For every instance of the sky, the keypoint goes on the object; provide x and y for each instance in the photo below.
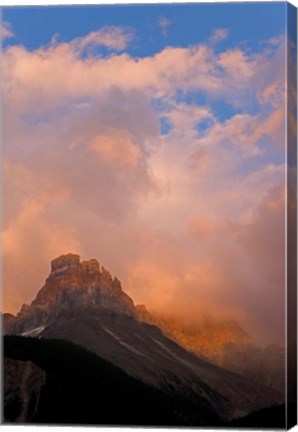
(150, 137)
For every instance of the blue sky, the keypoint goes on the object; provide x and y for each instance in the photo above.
(250, 23)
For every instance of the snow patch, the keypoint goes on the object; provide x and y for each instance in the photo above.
(126, 345)
(60, 270)
(34, 332)
(176, 357)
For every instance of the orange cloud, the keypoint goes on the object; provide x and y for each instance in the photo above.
(179, 217)
(29, 242)
(201, 226)
(116, 147)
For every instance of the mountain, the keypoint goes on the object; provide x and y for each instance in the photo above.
(7, 320)
(63, 383)
(74, 285)
(81, 303)
(276, 417)
(225, 344)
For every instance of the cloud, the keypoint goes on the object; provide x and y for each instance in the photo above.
(178, 215)
(116, 147)
(111, 37)
(244, 136)
(164, 24)
(28, 232)
(186, 117)
(219, 35)
(232, 270)
(236, 62)
(273, 94)
(204, 229)
(110, 139)
(40, 81)
(6, 30)
(58, 74)
(201, 226)
(63, 176)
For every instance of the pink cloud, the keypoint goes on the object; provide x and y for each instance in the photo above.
(173, 216)
(236, 63)
(244, 132)
(201, 226)
(116, 147)
(29, 242)
(111, 37)
(58, 73)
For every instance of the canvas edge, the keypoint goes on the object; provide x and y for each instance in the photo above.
(291, 217)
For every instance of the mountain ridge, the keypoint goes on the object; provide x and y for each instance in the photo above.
(80, 387)
(225, 344)
(80, 302)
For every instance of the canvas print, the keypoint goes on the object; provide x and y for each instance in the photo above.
(149, 215)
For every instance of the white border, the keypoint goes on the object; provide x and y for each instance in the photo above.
(12, 3)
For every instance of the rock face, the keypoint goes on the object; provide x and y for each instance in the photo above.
(7, 320)
(23, 381)
(71, 286)
(144, 315)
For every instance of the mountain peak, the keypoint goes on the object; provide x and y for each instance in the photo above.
(91, 266)
(70, 263)
(65, 261)
(72, 287)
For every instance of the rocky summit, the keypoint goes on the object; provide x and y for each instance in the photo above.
(72, 286)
